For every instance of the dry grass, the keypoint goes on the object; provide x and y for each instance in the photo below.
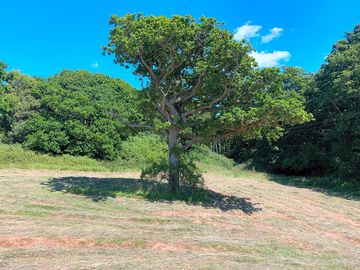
(252, 223)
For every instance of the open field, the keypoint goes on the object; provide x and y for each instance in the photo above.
(246, 223)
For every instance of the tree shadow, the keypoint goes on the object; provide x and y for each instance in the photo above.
(100, 189)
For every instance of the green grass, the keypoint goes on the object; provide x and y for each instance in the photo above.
(330, 185)
(42, 207)
(129, 188)
(31, 213)
(13, 156)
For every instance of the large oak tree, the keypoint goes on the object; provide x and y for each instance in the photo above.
(199, 84)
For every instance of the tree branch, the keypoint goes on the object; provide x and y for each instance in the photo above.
(172, 108)
(208, 106)
(172, 68)
(229, 133)
(160, 107)
(194, 89)
(148, 68)
(132, 125)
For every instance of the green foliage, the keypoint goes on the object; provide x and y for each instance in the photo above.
(16, 102)
(190, 178)
(266, 107)
(3, 67)
(200, 83)
(329, 145)
(200, 86)
(203, 154)
(337, 105)
(144, 150)
(70, 113)
(205, 89)
(45, 135)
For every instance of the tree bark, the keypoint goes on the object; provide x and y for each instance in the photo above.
(173, 160)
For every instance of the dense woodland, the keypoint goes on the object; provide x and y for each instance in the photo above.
(85, 114)
(330, 144)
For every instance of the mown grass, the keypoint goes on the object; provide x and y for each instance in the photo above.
(329, 185)
(151, 194)
(100, 189)
(71, 231)
(33, 213)
(260, 249)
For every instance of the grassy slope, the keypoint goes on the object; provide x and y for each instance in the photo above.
(103, 220)
(252, 223)
(13, 156)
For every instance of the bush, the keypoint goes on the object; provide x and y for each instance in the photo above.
(204, 154)
(189, 175)
(144, 150)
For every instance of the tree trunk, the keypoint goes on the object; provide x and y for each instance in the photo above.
(173, 160)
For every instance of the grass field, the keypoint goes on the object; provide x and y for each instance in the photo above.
(102, 220)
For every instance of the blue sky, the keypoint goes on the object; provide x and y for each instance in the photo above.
(42, 37)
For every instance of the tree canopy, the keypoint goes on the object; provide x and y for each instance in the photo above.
(67, 113)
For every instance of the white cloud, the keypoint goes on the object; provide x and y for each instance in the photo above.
(247, 31)
(274, 33)
(273, 59)
(95, 65)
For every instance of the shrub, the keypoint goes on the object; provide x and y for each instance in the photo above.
(204, 154)
(189, 175)
(144, 150)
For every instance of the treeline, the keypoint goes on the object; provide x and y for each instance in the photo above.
(330, 144)
(70, 113)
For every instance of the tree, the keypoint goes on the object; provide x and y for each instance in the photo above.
(337, 106)
(199, 84)
(3, 67)
(75, 115)
(17, 102)
(4, 104)
(287, 153)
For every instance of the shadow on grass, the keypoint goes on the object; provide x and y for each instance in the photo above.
(99, 189)
(329, 186)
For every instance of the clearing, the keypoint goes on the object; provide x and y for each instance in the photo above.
(251, 223)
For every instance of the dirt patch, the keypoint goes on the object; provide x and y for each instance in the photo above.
(272, 215)
(318, 231)
(71, 242)
(66, 242)
(170, 247)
